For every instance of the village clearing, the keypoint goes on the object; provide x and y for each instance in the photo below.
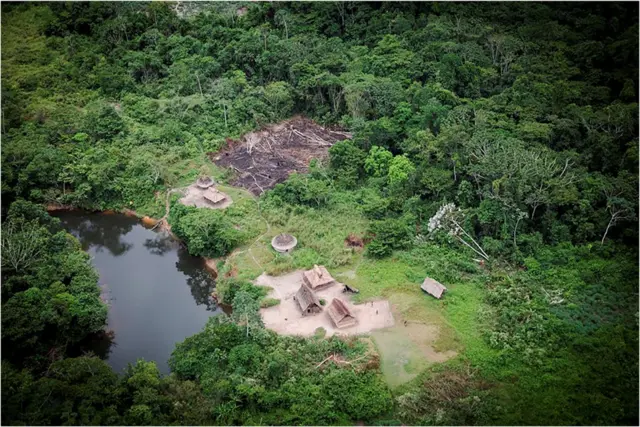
(194, 196)
(287, 319)
(436, 330)
(406, 349)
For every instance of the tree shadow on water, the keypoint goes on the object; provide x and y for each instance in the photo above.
(161, 244)
(100, 231)
(199, 279)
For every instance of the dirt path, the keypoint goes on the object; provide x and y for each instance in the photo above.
(162, 222)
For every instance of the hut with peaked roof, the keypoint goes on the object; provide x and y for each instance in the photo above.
(340, 314)
(432, 287)
(307, 301)
(213, 195)
(318, 278)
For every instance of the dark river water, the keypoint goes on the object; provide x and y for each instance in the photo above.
(157, 293)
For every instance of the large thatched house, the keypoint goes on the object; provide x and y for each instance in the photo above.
(318, 278)
(432, 287)
(307, 301)
(340, 314)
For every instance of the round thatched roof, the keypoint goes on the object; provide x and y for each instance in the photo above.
(284, 242)
(204, 182)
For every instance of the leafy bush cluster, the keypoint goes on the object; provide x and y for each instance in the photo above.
(277, 379)
(50, 297)
(207, 232)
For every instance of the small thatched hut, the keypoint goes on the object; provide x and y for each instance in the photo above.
(307, 301)
(340, 314)
(318, 278)
(212, 195)
(284, 243)
(432, 287)
(204, 182)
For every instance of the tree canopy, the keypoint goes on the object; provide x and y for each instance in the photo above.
(505, 132)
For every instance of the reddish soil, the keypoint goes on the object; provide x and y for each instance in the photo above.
(354, 241)
(266, 157)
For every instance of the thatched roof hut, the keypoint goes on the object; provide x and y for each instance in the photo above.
(307, 301)
(340, 314)
(432, 287)
(214, 196)
(204, 182)
(284, 243)
(318, 278)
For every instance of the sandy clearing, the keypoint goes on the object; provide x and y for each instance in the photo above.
(286, 318)
(193, 196)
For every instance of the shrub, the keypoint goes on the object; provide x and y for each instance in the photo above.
(347, 162)
(227, 288)
(206, 232)
(269, 302)
(388, 235)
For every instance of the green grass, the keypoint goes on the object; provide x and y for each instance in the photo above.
(320, 234)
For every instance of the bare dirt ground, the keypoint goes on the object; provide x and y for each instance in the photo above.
(264, 158)
(193, 196)
(286, 318)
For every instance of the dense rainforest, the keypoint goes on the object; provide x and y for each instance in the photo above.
(495, 144)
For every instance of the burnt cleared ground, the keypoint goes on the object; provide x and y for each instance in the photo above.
(266, 157)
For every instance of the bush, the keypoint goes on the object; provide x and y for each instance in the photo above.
(302, 190)
(347, 162)
(207, 232)
(389, 235)
(269, 302)
(227, 288)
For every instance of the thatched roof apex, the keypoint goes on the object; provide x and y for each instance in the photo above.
(284, 242)
(204, 182)
(318, 276)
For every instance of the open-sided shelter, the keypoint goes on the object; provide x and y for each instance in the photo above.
(432, 287)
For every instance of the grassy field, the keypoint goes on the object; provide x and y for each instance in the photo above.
(436, 330)
(320, 235)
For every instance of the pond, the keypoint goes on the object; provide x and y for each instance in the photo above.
(158, 294)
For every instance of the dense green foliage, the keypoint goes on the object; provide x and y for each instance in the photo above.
(507, 132)
(206, 232)
(50, 297)
(263, 378)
